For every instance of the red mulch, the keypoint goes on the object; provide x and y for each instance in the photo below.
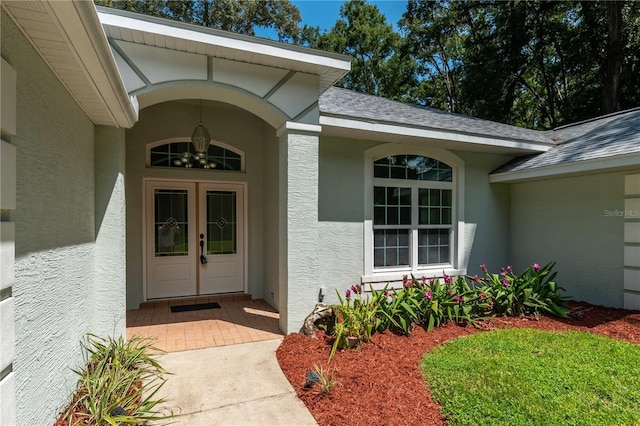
(380, 383)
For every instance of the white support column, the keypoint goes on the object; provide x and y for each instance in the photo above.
(632, 242)
(7, 244)
(298, 213)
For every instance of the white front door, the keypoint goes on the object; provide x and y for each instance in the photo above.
(194, 239)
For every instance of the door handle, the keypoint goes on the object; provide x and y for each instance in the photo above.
(203, 258)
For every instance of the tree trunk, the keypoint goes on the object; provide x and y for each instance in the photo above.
(614, 58)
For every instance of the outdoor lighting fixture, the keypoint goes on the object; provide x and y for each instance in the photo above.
(200, 139)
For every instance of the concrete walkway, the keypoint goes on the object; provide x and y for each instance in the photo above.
(231, 385)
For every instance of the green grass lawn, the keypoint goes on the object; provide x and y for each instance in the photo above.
(531, 377)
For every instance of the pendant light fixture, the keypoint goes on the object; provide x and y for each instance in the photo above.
(200, 137)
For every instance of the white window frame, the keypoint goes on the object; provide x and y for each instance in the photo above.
(394, 274)
(152, 145)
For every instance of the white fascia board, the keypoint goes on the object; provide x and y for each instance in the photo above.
(418, 132)
(86, 37)
(298, 127)
(623, 161)
(209, 37)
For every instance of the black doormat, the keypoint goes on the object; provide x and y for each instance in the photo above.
(196, 307)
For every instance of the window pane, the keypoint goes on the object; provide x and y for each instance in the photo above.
(379, 217)
(434, 206)
(392, 206)
(412, 167)
(446, 216)
(183, 154)
(433, 246)
(434, 217)
(171, 213)
(446, 197)
(405, 215)
(391, 247)
(398, 172)
(221, 222)
(392, 216)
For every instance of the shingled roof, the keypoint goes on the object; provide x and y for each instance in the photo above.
(347, 103)
(604, 137)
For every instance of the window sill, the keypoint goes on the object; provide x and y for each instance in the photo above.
(379, 279)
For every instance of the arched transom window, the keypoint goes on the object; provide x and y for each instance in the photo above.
(413, 212)
(182, 154)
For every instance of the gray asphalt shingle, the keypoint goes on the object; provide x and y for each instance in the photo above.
(602, 137)
(347, 103)
(599, 138)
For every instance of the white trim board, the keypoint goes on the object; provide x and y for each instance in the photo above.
(623, 161)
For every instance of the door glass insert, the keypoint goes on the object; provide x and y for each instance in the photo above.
(221, 223)
(170, 222)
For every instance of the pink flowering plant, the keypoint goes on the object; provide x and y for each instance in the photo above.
(431, 302)
(427, 302)
(532, 292)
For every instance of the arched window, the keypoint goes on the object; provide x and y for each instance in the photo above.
(412, 212)
(182, 154)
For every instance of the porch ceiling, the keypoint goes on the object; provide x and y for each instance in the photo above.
(162, 60)
(68, 37)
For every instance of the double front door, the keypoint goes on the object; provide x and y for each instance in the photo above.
(194, 238)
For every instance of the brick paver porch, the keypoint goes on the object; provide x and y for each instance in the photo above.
(238, 320)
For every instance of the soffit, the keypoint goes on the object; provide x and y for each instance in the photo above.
(384, 133)
(154, 53)
(69, 38)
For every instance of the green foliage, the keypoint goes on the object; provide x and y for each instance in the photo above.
(433, 302)
(380, 65)
(117, 373)
(327, 378)
(355, 320)
(532, 292)
(522, 62)
(427, 302)
(241, 16)
(524, 377)
(528, 63)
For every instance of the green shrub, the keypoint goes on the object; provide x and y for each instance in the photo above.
(355, 320)
(427, 302)
(433, 302)
(532, 292)
(118, 384)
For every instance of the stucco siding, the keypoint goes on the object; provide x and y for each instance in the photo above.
(272, 231)
(565, 220)
(108, 299)
(340, 214)
(231, 126)
(298, 212)
(55, 233)
(486, 209)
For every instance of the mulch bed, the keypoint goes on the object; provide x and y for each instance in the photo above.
(380, 383)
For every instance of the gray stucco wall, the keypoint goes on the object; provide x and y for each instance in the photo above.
(272, 229)
(231, 126)
(55, 278)
(564, 220)
(487, 215)
(109, 302)
(341, 213)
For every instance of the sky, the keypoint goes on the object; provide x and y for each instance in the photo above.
(325, 13)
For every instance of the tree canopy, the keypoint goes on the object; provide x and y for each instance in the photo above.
(536, 64)
(241, 16)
